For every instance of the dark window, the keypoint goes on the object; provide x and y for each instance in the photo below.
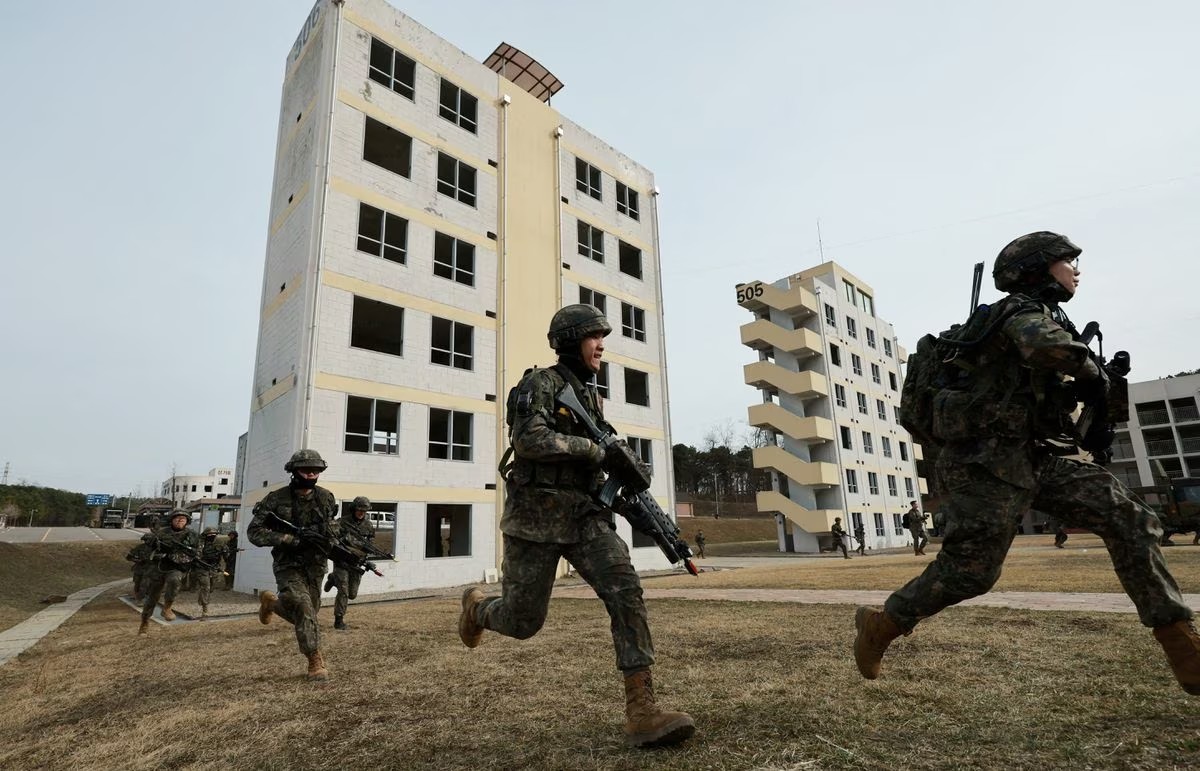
(637, 387)
(885, 445)
(875, 373)
(871, 337)
(456, 179)
(602, 379)
(898, 522)
(591, 242)
(593, 298)
(633, 322)
(641, 448)
(382, 234)
(879, 531)
(847, 441)
(881, 409)
(892, 380)
(392, 68)
(903, 451)
(908, 487)
(868, 445)
(851, 480)
(862, 401)
(372, 425)
(872, 483)
(856, 363)
(887, 347)
(452, 344)
(385, 146)
(587, 178)
(208, 488)
(453, 259)
(377, 326)
(839, 393)
(627, 201)
(830, 316)
(447, 530)
(631, 260)
(457, 106)
(893, 491)
(851, 327)
(835, 355)
(449, 434)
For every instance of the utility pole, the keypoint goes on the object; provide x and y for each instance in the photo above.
(31, 513)
(4, 481)
(716, 497)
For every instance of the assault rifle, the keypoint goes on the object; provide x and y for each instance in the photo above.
(625, 490)
(1103, 411)
(333, 548)
(163, 549)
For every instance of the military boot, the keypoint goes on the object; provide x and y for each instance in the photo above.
(329, 582)
(316, 667)
(876, 630)
(1182, 646)
(469, 629)
(203, 611)
(339, 622)
(167, 613)
(145, 627)
(266, 606)
(646, 725)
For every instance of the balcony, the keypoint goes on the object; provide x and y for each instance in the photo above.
(796, 301)
(1161, 447)
(809, 520)
(1153, 417)
(1185, 414)
(805, 429)
(771, 376)
(764, 335)
(1190, 444)
(801, 472)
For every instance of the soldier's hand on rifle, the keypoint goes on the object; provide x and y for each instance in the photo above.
(596, 455)
(1094, 389)
(287, 539)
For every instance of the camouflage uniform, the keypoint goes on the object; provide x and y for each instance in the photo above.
(231, 552)
(549, 514)
(139, 556)
(167, 568)
(298, 568)
(346, 578)
(914, 520)
(839, 538)
(998, 462)
(210, 553)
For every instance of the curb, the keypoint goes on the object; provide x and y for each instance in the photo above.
(23, 636)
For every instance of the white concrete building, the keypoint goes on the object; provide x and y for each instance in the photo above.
(182, 489)
(829, 374)
(1163, 429)
(428, 217)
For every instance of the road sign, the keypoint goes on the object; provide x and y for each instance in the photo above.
(98, 499)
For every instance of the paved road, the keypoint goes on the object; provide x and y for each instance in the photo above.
(66, 534)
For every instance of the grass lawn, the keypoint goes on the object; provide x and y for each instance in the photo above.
(770, 686)
(31, 571)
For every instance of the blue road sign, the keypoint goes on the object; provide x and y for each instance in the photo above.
(98, 499)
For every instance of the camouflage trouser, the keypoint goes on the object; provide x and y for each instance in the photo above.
(158, 583)
(298, 603)
(982, 515)
(204, 580)
(346, 581)
(918, 536)
(602, 560)
(229, 568)
(139, 578)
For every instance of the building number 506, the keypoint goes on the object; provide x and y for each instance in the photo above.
(749, 291)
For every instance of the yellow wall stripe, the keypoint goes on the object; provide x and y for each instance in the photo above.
(405, 300)
(379, 201)
(395, 393)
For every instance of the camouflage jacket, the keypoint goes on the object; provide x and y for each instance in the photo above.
(171, 547)
(141, 553)
(315, 510)
(231, 551)
(550, 481)
(1020, 396)
(353, 533)
(212, 554)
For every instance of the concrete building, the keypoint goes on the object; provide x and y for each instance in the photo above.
(429, 214)
(1163, 430)
(829, 374)
(183, 489)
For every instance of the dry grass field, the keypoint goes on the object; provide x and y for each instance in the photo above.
(770, 686)
(31, 571)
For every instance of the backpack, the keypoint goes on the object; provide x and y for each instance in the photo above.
(945, 361)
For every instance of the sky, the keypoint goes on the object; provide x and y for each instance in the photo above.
(139, 145)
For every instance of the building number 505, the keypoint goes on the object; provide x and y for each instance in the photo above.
(747, 292)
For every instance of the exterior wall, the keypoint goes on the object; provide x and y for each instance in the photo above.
(306, 370)
(181, 489)
(1163, 431)
(798, 319)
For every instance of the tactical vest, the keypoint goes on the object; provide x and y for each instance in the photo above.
(574, 474)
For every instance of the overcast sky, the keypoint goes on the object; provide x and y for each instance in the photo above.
(139, 142)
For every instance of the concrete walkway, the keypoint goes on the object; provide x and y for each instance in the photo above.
(1051, 601)
(26, 634)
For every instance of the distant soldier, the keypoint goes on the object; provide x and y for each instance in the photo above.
(174, 547)
(914, 520)
(231, 552)
(139, 556)
(700, 541)
(210, 554)
(839, 537)
(299, 565)
(860, 535)
(352, 530)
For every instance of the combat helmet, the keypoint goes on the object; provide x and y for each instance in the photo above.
(179, 513)
(1024, 264)
(572, 323)
(209, 531)
(362, 502)
(305, 459)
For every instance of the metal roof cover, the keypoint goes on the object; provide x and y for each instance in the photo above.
(523, 70)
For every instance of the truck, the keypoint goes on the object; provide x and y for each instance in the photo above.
(1177, 502)
(112, 518)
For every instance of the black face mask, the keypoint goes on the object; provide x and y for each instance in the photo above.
(301, 483)
(573, 360)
